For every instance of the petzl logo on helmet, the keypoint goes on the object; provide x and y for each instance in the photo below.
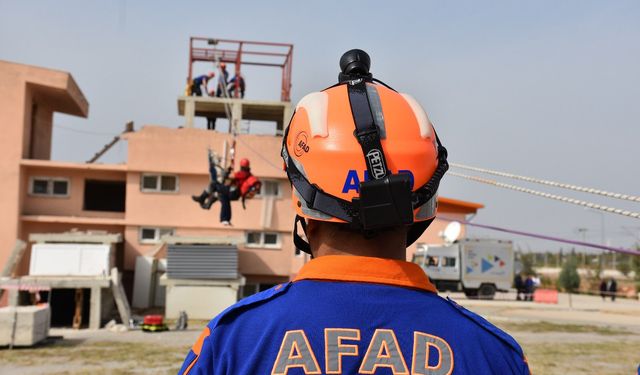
(301, 145)
(376, 164)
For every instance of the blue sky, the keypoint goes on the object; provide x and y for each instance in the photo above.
(545, 88)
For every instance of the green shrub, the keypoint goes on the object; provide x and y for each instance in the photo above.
(569, 278)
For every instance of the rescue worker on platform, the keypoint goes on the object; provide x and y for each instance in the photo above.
(238, 80)
(199, 84)
(365, 164)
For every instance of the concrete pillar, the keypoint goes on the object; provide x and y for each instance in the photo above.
(236, 115)
(14, 296)
(95, 310)
(286, 116)
(189, 112)
(266, 216)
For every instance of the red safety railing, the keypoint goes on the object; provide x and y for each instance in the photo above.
(240, 52)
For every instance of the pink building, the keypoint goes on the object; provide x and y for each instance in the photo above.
(149, 195)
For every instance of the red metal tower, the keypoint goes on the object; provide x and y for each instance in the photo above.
(241, 52)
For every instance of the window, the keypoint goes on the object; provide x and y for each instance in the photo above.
(433, 261)
(49, 186)
(153, 235)
(263, 239)
(149, 182)
(159, 183)
(448, 261)
(271, 239)
(104, 195)
(270, 188)
(60, 187)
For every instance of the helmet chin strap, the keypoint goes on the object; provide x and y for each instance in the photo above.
(301, 244)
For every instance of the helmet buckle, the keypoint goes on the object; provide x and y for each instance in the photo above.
(386, 202)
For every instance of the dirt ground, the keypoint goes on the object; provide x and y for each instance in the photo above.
(591, 337)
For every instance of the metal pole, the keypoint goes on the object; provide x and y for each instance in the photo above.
(584, 239)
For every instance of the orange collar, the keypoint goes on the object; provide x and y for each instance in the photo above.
(366, 269)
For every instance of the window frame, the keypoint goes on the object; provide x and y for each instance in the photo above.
(262, 244)
(264, 182)
(158, 188)
(157, 234)
(50, 182)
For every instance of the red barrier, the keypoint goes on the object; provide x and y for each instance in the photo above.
(546, 296)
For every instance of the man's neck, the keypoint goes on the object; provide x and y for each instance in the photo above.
(329, 239)
(384, 247)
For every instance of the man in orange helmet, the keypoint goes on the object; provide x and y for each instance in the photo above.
(365, 163)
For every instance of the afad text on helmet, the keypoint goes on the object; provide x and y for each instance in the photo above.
(352, 180)
(301, 146)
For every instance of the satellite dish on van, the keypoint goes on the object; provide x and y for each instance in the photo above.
(452, 232)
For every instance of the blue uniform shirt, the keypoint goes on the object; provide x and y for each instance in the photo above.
(353, 315)
(200, 80)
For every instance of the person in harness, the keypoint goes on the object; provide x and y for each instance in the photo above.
(242, 185)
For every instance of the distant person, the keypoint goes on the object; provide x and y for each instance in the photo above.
(612, 288)
(518, 283)
(536, 281)
(211, 120)
(222, 80)
(231, 87)
(529, 287)
(603, 289)
(199, 83)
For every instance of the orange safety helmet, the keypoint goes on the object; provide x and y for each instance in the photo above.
(223, 65)
(244, 163)
(361, 153)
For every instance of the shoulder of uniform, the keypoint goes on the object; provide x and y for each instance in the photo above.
(249, 302)
(487, 326)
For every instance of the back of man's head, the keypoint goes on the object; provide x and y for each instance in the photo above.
(365, 161)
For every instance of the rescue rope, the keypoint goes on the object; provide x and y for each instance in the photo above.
(281, 168)
(543, 237)
(227, 110)
(549, 183)
(595, 206)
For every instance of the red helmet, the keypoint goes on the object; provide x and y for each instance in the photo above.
(362, 153)
(223, 65)
(244, 163)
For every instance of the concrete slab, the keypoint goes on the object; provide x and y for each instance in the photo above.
(261, 110)
(77, 237)
(24, 325)
(60, 282)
